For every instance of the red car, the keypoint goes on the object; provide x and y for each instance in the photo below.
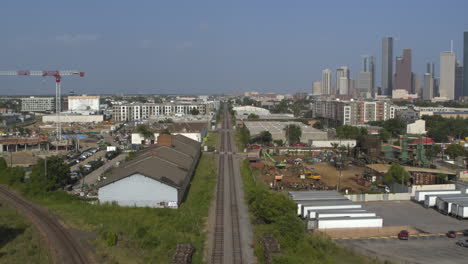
(451, 234)
(403, 235)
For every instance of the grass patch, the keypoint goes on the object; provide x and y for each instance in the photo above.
(212, 141)
(141, 235)
(20, 242)
(273, 213)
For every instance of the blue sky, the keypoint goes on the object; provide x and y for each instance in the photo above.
(214, 46)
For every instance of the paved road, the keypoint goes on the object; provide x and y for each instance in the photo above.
(64, 248)
(94, 175)
(430, 249)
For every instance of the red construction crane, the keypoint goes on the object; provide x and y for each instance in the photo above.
(58, 76)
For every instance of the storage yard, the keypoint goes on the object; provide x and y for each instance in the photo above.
(371, 228)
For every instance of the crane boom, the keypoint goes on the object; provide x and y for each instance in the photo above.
(58, 76)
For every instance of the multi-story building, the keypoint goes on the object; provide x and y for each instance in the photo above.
(430, 68)
(38, 104)
(387, 65)
(327, 81)
(458, 80)
(403, 74)
(140, 111)
(368, 65)
(428, 88)
(317, 88)
(342, 79)
(364, 84)
(465, 64)
(447, 75)
(354, 112)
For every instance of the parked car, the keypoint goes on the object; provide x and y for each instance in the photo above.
(463, 242)
(403, 235)
(465, 232)
(451, 234)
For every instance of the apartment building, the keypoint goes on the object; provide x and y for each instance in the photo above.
(354, 112)
(38, 104)
(139, 111)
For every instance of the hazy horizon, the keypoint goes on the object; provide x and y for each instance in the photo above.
(211, 47)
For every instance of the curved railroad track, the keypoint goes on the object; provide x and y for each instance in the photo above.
(63, 247)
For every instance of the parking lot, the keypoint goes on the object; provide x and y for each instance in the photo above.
(430, 246)
(401, 213)
(430, 249)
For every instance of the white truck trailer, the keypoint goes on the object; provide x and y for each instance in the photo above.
(462, 211)
(312, 214)
(444, 204)
(301, 204)
(454, 207)
(348, 222)
(335, 206)
(420, 195)
(430, 199)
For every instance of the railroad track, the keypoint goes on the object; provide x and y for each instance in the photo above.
(63, 247)
(220, 253)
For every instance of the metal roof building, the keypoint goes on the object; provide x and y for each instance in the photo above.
(277, 130)
(158, 176)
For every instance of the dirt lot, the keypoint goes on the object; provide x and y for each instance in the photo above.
(329, 175)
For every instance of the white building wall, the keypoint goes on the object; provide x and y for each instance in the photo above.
(83, 103)
(418, 127)
(74, 118)
(138, 190)
(138, 138)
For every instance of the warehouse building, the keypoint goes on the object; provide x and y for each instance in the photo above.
(277, 130)
(156, 177)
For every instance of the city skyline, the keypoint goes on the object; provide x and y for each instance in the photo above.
(210, 47)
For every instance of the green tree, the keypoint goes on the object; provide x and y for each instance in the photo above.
(244, 135)
(145, 131)
(318, 125)
(50, 174)
(165, 132)
(194, 111)
(350, 132)
(455, 150)
(3, 163)
(395, 126)
(396, 173)
(264, 138)
(433, 151)
(384, 135)
(293, 133)
(253, 116)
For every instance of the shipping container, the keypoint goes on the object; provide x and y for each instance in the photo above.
(348, 222)
(430, 199)
(420, 195)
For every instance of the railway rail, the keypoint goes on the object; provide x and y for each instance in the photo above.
(227, 227)
(63, 247)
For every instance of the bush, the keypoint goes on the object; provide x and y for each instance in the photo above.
(111, 238)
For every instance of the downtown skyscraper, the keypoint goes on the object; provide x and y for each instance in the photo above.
(342, 80)
(387, 65)
(368, 65)
(403, 74)
(447, 75)
(326, 81)
(465, 64)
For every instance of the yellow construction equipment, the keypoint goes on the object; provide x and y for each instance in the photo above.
(314, 176)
